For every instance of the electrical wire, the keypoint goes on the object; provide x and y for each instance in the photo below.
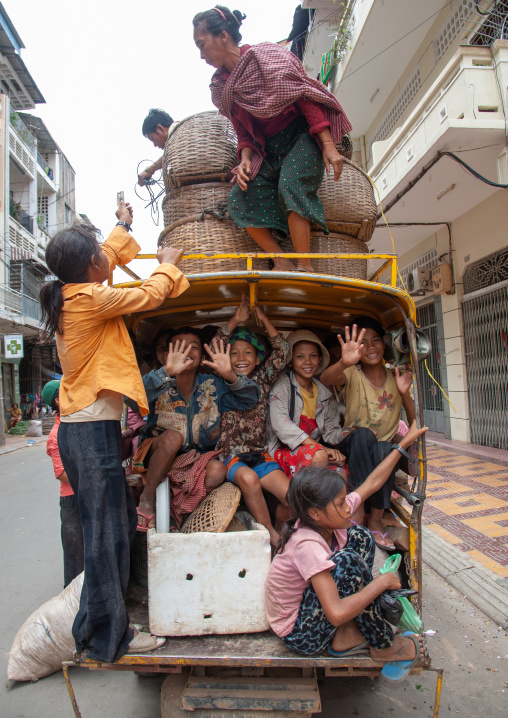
(149, 184)
(471, 170)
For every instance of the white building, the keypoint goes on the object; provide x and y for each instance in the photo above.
(417, 79)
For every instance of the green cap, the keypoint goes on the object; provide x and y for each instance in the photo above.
(50, 390)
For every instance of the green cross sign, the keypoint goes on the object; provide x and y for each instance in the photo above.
(14, 347)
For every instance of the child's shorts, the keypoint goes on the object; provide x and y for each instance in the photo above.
(263, 465)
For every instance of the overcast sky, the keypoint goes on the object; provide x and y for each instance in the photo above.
(102, 64)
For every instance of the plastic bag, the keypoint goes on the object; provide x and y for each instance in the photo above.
(391, 564)
(391, 608)
(410, 620)
(35, 429)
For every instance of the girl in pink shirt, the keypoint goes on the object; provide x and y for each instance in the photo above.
(320, 592)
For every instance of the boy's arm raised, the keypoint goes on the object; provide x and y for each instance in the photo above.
(377, 478)
(352, 352)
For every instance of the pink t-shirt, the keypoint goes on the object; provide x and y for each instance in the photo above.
(53, 452)
(305, 555)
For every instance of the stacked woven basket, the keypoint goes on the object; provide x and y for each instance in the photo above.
(198, 158)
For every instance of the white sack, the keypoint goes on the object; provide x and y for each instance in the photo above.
(45, 639)
(35, 428)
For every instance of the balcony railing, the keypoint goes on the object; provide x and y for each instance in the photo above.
(23, 218)
(44, 165)
(14, 302)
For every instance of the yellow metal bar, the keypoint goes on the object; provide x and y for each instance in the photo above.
(380, 271)
(265, 255)
(128, 271)
(249, 263)
(70, 690)
(253, 301)
(439, 687)
(393, 278)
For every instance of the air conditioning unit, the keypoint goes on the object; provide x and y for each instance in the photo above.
(419, 281)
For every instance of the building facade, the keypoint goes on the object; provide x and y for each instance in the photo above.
(425, 87)
(37, 197)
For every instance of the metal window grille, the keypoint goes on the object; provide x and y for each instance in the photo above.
(42, 211)
(432, 398)
(485, 317)
(486, 272)
(396, 110)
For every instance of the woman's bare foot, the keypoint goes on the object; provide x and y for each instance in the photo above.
(380, 535)
(282, 265)
(390, 520)
(347, 636)
(402, 649)
(274, 537)
(146, 514)
(304, 265)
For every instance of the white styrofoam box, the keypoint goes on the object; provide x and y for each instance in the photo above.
(204, 583)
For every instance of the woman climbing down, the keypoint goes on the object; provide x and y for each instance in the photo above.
(320, 592)
(287, 124)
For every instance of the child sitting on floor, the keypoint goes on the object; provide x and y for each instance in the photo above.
(242, 443)
(303, 411)
(320, 592)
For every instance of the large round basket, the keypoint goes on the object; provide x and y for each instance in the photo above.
(210, 235)
(194, 199)
(202, 146)
(339, 244)
(215, 513)
(349, 204)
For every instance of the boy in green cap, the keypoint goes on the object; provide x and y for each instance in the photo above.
(72, 531)
(242, 442)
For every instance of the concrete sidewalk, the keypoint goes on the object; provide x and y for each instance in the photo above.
(13, 443)
(465, 522)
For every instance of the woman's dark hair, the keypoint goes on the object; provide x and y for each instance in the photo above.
(221, 18)
(68, 256)
(155, 117)
(310, 488)
(186, 330)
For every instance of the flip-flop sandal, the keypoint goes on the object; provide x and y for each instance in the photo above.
(361, 649)
(148, 518)
(380, 545)
(397, 670)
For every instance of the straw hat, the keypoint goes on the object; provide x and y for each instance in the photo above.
(304, 335)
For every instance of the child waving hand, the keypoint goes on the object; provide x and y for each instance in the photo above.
(320, 592)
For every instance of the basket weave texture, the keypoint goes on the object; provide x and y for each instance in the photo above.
(203, 145)
(337, 244)
(194, 199)
(211, 236)
(215, 513)
(349, 204)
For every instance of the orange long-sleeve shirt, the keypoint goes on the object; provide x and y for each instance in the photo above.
(94, 348)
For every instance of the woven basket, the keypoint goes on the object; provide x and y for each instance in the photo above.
(203, 145)
(349, 204)
(194, 199)
(210, 235)
(215, 513)
(340, 244)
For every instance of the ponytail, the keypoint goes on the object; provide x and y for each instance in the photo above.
(68, 256)
(287, 531)
(51, 299)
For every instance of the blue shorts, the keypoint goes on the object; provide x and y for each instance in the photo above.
(262, 469)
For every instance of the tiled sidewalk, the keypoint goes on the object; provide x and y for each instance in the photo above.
(467, 502)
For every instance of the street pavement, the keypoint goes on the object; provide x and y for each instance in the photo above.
(471, 648)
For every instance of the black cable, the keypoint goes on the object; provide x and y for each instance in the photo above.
(472, 171)
(489, 11)
(149, 184)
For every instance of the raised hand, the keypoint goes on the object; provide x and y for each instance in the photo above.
(242, 311)
(178, 358)
(270, 329)
(220, 360)
(125, 213)
(352, 348)
(404, 381)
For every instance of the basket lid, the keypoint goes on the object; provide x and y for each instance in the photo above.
(214, 514)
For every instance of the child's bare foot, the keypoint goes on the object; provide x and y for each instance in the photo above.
(274, 537)
(347, 636)
(304, 265)
(380, 535)
(280, 264)
(402, 649)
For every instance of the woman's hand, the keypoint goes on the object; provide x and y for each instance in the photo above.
(220, 360)
(243, 173)
(178, 358)
(169, 255)
(404, 381)
(352, 348)
(332, 159)
(334, 456)
(412, 435)
(125, 213)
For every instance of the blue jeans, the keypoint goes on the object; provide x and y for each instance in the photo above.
(313, 632)
(91, 453)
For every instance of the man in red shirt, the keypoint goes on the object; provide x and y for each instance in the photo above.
(72, 533)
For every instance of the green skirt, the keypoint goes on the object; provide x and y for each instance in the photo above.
(288, 181)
